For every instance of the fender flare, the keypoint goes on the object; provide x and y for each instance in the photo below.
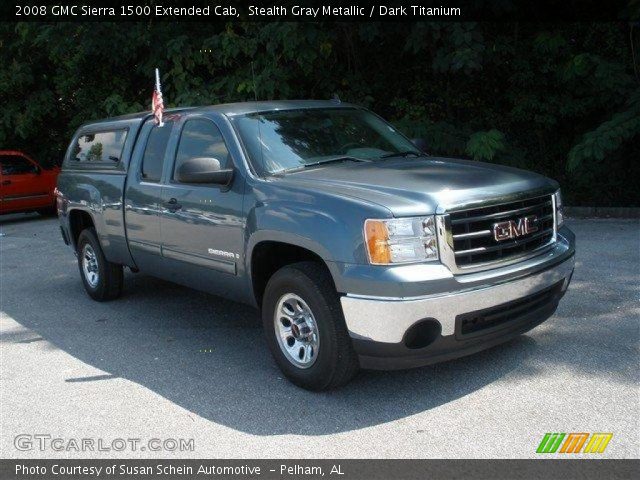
(295, 240)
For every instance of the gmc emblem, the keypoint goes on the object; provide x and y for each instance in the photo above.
(514, 229)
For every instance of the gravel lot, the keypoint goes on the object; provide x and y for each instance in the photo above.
(170, 363)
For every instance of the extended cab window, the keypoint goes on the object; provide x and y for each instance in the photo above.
(103, 147)
(201, 138)
(153, 158)
(16, 165)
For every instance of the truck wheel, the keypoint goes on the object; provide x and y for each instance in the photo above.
(102, 279)
(305, 328)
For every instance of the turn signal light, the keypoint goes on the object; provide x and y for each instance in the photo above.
(401, 240)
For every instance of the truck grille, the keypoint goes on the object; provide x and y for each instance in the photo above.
(472, 231)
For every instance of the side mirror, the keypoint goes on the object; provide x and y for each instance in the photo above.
(203, 170)
(421, 143)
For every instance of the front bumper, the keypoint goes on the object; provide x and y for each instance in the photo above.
(397, 332)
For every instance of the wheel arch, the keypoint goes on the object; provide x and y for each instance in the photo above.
(79, 220)
(268, 252)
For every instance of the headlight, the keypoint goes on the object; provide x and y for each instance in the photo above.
(557, 200)
(401, 240)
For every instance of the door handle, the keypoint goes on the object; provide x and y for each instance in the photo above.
(172, 205)
(6, 182)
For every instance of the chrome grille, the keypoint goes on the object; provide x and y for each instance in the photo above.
(470, 237)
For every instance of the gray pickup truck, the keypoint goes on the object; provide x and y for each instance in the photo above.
(359, 249)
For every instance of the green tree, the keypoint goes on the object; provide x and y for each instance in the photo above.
(560, 99)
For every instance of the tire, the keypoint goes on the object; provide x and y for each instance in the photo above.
(102, 280)
(318, 312)
(47, 212)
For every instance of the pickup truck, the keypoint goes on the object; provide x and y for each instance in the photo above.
(359, 249)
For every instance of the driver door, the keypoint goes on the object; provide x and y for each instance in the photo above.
(202, 224)
(22, 187)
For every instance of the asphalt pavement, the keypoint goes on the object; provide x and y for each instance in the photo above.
(168, 363)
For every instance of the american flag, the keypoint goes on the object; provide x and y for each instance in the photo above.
(157, 105)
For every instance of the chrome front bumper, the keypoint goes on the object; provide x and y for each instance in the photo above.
(382, 319)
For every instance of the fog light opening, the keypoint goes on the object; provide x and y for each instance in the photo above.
(422, 334)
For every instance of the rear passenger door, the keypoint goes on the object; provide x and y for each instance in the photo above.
(202, 224)
(143, 195)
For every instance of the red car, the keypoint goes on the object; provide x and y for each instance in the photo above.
(25, 185)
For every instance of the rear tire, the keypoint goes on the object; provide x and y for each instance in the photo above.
(102, 280)
(305, 328)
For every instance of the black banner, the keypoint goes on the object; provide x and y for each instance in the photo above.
(317, 10)
(315, 469)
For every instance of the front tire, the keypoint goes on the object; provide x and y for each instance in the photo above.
(305, 328)
(102, 279)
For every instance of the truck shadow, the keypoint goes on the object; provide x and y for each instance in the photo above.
(208, 356)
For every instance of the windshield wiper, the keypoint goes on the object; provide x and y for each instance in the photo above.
(403, 154)
(334, 160)
(319, 162)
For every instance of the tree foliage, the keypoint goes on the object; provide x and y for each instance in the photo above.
(560, 99)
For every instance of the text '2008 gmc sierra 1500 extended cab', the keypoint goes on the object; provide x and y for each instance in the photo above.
(359, 249)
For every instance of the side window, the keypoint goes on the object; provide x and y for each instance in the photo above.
(16, 165)
(154, 150)
(201, 138)
(99, 147)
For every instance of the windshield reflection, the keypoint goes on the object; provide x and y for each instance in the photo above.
(285, 140)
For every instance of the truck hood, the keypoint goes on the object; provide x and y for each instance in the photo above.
(422, 186)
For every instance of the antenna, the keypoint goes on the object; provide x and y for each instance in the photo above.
(255, 97)
(255, 86)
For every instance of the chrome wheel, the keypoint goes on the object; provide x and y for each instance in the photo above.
(296, 331)
(90, 266)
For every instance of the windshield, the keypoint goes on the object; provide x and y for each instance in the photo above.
(285, 140)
